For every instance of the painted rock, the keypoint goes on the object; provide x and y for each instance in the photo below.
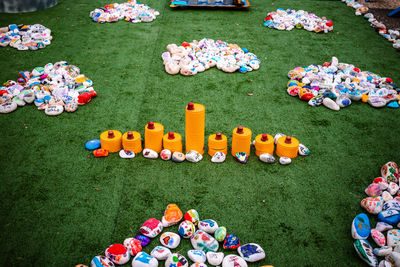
(241, 157)
(343, 101)
(100, 153)
(386, 196)
(378, 237)
(385, 263)
(382, 226)
(220, 234)
(170, 240)
(383, 251)
(377, 101)
(218, 157)
(193, 156)
(391, 217)
(372, 204)
(251, 252)
(165, 154)
(126, 154)
(303, 150)
(393, 104)
(394, 257)
(150, 154)
(285, 160)
(390, 172)
(160, 253)
(151, 228)
(197, 255)
(393, 188)
(192, 216)
(176, 260)
(143, 259)
(198, 264)
(267, 158)
(215, 258)
(144, 240)
(81, 265)
(178, 157)
(118, 253)
(277, 136)
(8, 107)
(203, 241)
(54, 110)
(329, 103)
(360, 228)
(231, 241)
(316, 101)
(186, 229)
(381, 182)
(172, 215)
(391, 205)
(101, 261)
(364, 250)
(209, 226)
(133, 245)
(71, 106)
(393, 237)
(93, 144)
(233, 261)
(373, 190)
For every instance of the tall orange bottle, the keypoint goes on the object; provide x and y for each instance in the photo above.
(132, 141)
(264, 143)
(241, 140)
(195, 127)
(173, 142)
(153, 135)
(217, 143)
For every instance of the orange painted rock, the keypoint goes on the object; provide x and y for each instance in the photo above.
(172, 215)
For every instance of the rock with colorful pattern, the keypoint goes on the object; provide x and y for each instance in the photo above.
(172, 215)
(197, 255)
(393, 237)
(126, 154)
(393, 188)
(383, 251)
(378, 237)
(193, 156)
(160, 253)
(170, 240)
(209, 226)
(381, 182)
(176, 260)
(233, 261)
(372, 204)
(390, 172)
(143, 259)
(203, 241)
(144, 240)
(251, 252)
(215, 258)
(391, 217)
(192, 216)
(241, 157)
(386, 196)
(231, 241)
(386, 263)
(360, 228)
(118, 253)
(391, 205)
(133, 245)
(198, 264)
(151, 228)
(186, 229)
(101, 261)
(220, 233)
(394, 257)
(365, 251)
(373, 190)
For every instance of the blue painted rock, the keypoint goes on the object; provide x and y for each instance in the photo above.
(316, 101)
(170, 240)
(233, 261)
(267, 158)
(390, 172)
(126, 154)
(382, 226)
(303, 150)
(208, 226)
(93, 144)
(364, 250)
(203, 241)
(192, 216)
(251, 252)
(393, 237)
(215, 258)
(220, 234)
(197, 255)
(373, 190)
(101, 261)
(186, 229)
(343, 101)
(133, 245)
(231, 241)
(176, 260)
(143, 259)
(391, 217)
(144, 240)
(151, 228)
(393, 188)
(360, 228)
(241, 157)
(393, 104)
(378, 237)
(383, 251)
(118, 253)
(160, 253)
(391, 205)
(372, 204)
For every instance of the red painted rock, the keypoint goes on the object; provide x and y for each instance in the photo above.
(373, 190)
(192, 216)
(151, 228)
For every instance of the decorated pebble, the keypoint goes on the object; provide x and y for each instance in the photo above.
(142, 259)
(170, 240)
(203, 241)
(215, 258)
(381, 182)
(373, 190)
(192, 216)
(209, 226)
(267, 158)
(372, 204)
(390, 172)
(186, 229)
(144, 240)
(220, 233)
(54, 110)
(101, 261)
(175, 260)
(118, 253)
(133, 245)
(365, 251)
(251, 252)
(360, 228)
(386, 196)
(391, 205)
(93, 144)
(197, 256)
(378, 237)
(100, 153)
(160, 253)
(385, 263)
(165, 154)
(231, 241)
(285, 160)
(151, 228)
(198, 264)
(393, 237)
(382, 226)
(383, 251)
(193, 156)
(391, 217)
(303, 150)
(126, 154)
(178, 157)
(393, 188)
(329, 103)
(241, 157)
(233, 261)
(218, 157)
(149, 153)
(172, 215)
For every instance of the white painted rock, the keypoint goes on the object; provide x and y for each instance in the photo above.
(143, 259)
(133, 245)
(193, 156)
(251, 252)
(372, 204)
(198, 264)
(303, 150)
(54, 110)
(285, 160)
(377, 101)
(393, 188)
(382, 226)
(151, 228)
(385, 263)
(118, 253)
(397, 249)
(126, 154)
(203, 241)
(165, 154)
(208, 226)
(277, 136)
(267, 158)
(101, 261)
(233, 261)
(378, 237)
(150, 154)
(197, 255)
(383, 251)
(386, 196)
(218, 157)
(393, 237)
(215, 258)
(329, 103)
(170, 240)
(8, 107)
(186, 229)
(364, 250)
(175, 260)
(160, 253)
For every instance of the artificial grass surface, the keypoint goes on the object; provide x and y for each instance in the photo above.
(51, 212)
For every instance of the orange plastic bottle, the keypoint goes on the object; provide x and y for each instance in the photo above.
(153, 135)
(195, 127)
(241, 140)
(173, 142)
(132, 141)
(264, 143)
(287, 146)
(217, 143)
(111, 140)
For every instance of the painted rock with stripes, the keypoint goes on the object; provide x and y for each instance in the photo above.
(192, 216)
(151, 228)
(143, 259)
(160, 253)
(364, 250)
(251, 252)
(203, 241)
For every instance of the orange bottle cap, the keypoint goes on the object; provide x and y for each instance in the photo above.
(239, 130)
(111, 134)
(129, 136)
(190, 106)
(150, 125)
(218, 136)
(288, 140)
(264, 137)
(171, 135)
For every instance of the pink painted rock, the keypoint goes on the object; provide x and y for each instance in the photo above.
(373, 190)
(378, 237)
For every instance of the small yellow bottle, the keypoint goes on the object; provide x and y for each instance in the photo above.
(132, 141)
(264, 143)
(287, 146)
(173, 142)
(153, 135)
(241, 140)
(111, 140)
(217, 143)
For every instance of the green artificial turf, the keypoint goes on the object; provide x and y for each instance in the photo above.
(61, 206)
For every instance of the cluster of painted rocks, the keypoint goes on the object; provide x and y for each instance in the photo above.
(384, 201)
(289, 19)
(392, 35)
(53, 88)
(205, 242)
(198, 56)
(129, 11)
(335, 85)
(24, 37)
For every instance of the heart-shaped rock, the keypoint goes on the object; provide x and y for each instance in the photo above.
(170, 240)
